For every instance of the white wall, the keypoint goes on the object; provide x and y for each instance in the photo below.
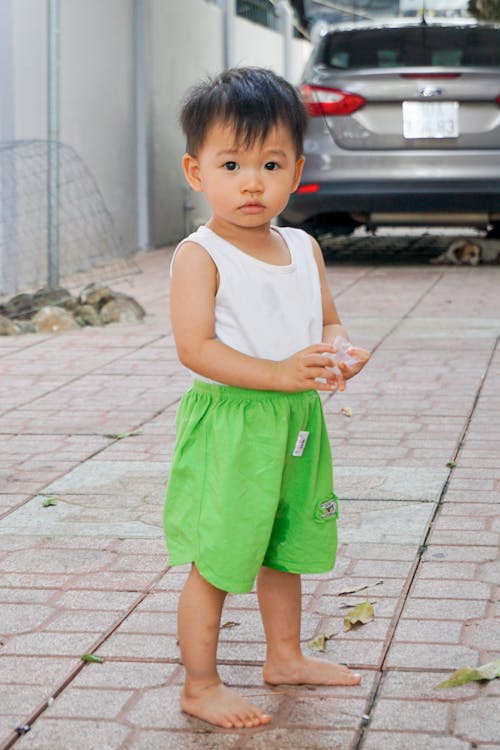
(97, 97)
(97, 103)
(30, 68)
(187, 45)
(194, 50)
(256, 45)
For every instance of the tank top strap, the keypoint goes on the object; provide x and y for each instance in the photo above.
(298, 243)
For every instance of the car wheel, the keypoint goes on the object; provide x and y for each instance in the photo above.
(329, 226)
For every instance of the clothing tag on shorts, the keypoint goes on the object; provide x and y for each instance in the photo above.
(301, 443)
(328, 508)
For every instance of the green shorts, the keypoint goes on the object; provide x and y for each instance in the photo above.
(250, 485)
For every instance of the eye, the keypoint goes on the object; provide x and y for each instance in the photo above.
(271, 166)
(231, 166)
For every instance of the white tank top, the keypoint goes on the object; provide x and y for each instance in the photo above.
(264, 310)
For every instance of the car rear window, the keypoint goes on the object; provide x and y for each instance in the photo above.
(422, 45)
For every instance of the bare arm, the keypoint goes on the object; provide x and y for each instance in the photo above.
(332, 325)
(192, 310)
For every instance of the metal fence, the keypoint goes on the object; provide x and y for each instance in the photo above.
(88, 236)
(258, 11)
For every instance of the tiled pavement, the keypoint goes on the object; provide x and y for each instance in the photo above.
(90, 573)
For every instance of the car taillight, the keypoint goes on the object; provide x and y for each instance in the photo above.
(498, 100)
(308, 187)
(321, 100)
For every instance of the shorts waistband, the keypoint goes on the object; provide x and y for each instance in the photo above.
(232, 392)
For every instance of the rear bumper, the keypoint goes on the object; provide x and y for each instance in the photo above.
(423, 196)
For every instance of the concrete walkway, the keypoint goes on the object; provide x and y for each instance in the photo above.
(87, 571)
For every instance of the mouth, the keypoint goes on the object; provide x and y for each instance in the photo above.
(251, 208)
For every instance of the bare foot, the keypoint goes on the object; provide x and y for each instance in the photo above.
(308, 671)
(220, 705)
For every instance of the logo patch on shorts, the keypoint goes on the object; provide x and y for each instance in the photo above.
(301, 443)
(328, 508)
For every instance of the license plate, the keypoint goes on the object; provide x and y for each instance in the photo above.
(430, 119)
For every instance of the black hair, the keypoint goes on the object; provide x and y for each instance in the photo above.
(252, 100)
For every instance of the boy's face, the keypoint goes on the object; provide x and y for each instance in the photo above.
(245, 186)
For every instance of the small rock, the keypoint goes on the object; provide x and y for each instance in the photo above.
(122, 309)
(20, 306)
(47, 296)
(95, 294)
(86, 315)
(70, 304)
(52, 319)
(26, 326)
(8, 327)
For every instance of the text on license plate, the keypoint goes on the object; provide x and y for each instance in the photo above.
(430, 119)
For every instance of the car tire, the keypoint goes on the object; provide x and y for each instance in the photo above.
(329, 226)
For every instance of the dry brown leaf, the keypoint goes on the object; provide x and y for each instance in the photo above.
(352, 602)
(319, 642)
(230, 624)
(489, 671)
(355, 589)
(361, 614)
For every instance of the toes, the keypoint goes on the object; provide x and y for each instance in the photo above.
(252, 720)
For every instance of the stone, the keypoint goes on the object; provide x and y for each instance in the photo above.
(8, 327)
(431, 716)
(482, 723)
(95, 294)
(49, 310)
(379, 740)
(71, 303)
(121, 309)
(87, 315)
(26, 326)
(20, 306)
(404, 483)
(77, 734)
(50, 296)
(54, 319)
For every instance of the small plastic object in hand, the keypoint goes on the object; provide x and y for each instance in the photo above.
(341, 354)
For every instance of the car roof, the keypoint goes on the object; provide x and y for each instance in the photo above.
(398, 22)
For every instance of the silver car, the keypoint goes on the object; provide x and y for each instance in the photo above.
(404, 127)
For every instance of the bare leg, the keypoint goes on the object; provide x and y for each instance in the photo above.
(204, 695)
(280, 606)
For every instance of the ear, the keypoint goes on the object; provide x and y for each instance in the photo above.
(298, 173)
(192, 172)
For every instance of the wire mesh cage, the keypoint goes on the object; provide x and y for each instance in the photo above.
(90, 247)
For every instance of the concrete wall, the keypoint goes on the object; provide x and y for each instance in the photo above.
(30, 68)
(97, 101)
(186, 43)
(198, 27)
(256, 45)
(97, 97)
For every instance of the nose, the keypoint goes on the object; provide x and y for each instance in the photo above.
(252, 181)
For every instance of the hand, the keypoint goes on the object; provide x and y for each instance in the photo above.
(301, 371)
(349, 370)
